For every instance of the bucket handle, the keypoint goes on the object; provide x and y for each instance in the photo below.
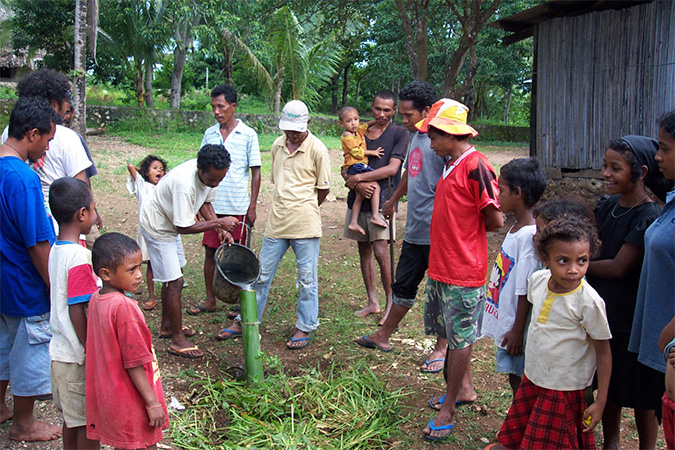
(249, 234)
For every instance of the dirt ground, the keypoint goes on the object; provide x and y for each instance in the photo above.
(476, 427)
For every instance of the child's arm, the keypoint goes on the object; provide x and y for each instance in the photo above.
(377, 153)
(513, 341)
(628, 257)
(667, 335)
(152, 406)
(603, 357)
(133, 171)
(79, 319)
(370, 123)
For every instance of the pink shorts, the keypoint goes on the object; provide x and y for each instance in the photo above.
(668, 421)
(211, 240)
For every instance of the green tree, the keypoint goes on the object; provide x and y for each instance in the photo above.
(44, 25)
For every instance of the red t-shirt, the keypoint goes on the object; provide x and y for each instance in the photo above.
(118, 339)
(458, 252)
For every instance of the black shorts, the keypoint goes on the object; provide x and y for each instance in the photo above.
(410, 271)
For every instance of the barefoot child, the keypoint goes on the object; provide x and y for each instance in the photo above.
(356, 161)
(568, 337)
(72, 282)
(151, 170)
(622, 218)
(125, 401)
(521, 184)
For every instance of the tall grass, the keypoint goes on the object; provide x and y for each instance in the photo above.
(338, 408)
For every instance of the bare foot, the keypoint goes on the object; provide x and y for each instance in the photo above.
(379, 221)
(37, 431)
(386, 313)
(370, 309)
(6, 413)
(356, 229)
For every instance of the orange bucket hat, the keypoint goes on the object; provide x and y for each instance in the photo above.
(448, 116)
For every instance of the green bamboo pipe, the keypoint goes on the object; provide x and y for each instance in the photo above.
(251, 336)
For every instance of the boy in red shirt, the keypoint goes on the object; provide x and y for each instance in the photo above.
(465, 208)
(125, 401)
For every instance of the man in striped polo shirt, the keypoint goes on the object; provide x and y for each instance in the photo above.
(233, 198)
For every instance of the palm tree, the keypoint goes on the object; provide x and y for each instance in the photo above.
(296, 59)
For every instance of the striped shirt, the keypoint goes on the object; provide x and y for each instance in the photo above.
(242, 143)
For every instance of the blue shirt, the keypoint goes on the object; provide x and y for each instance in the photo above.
(656, 295)
(23, 223)
(232, 197)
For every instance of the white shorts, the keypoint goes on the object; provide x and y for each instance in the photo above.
(166, 257)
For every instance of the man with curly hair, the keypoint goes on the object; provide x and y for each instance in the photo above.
(170, 211)
(66, 156)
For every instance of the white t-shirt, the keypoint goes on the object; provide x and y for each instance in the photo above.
(66, 157)
(516, 261)
(560, 354)
(72, 281)
(142, 190)
(174, 203)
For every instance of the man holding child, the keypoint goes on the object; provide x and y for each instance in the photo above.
(387, 172)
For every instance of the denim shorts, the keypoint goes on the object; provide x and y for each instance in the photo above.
(513, 364)
(24, 354)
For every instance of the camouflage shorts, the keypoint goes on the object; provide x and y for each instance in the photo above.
(454, 313)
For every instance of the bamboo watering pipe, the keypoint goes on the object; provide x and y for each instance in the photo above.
(250, 336)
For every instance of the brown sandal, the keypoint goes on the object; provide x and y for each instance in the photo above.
(149, 305)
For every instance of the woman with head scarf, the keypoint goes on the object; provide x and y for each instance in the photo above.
(622, 217)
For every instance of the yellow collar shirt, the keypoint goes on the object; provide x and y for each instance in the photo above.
(297, 177)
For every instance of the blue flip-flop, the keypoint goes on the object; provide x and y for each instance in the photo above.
(427, 362)
(231, 335)
(441, 428)
(367, 344)
(442, 400)
(304, 341)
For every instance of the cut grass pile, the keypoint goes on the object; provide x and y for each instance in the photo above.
(338, 408)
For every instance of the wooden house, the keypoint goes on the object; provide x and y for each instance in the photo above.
(601, 70)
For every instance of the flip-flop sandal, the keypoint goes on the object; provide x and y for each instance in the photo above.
(367, 344)
(231, 335)
(428, 363)
(183, 352)
(197, 309)
(441, 428)
(234, 312)
(442, 400)
(187, 331)
(304, 341)
(149, 306)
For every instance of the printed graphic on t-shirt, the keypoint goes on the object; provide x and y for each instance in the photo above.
(415, 162)
(500, 274)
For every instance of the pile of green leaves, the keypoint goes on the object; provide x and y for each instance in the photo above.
(338, 408)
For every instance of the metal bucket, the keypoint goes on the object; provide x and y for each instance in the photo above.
(237, 268)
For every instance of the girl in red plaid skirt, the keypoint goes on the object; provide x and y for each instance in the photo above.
(568, 338)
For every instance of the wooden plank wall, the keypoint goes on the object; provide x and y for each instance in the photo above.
(601, 76)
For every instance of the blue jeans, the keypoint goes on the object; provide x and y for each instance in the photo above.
(307, 257)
